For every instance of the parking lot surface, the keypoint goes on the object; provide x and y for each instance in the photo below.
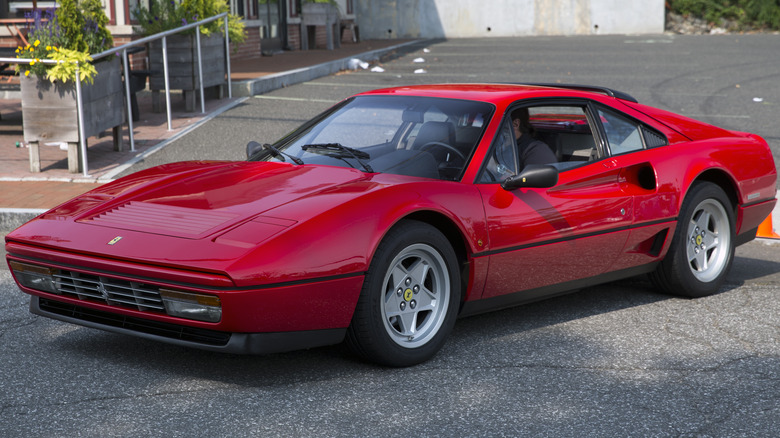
(614, 360)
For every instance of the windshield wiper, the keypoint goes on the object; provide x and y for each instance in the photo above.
(337, 150)
(279, 154)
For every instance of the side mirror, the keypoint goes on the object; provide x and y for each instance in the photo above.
(252, 148)
(534, 175)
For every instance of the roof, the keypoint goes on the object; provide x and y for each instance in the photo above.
(492, 92)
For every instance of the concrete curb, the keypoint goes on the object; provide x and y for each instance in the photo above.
(253, 87)
(13, 218)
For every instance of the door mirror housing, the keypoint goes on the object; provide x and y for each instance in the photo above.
(540, 176)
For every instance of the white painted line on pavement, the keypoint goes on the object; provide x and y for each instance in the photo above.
(723, 116)
(295, 99)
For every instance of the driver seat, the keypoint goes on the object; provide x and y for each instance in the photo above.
(442, 132)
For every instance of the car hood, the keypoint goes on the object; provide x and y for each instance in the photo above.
(193, 215)
(198, 200)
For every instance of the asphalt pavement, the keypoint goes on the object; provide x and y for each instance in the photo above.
(727, 80)
(614, 360)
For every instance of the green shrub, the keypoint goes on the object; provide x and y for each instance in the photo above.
(162, 15)
(748, 13)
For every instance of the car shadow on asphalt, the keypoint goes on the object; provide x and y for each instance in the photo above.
(476, 341)
(258, 371)
(758, 260)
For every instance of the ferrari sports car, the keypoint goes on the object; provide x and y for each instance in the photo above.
(385, 218)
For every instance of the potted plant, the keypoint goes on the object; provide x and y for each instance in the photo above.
(183, 74)
(49, 109)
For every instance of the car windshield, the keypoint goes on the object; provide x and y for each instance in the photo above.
(416, 136)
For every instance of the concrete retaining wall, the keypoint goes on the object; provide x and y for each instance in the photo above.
(504, 18)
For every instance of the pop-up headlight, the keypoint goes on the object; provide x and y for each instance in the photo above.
(35, 277)
(192, 306)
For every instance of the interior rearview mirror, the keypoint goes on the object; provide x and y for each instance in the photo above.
(252, 148)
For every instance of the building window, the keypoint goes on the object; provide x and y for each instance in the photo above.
(295, 8)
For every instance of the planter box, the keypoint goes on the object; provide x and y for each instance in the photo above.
(50, 111)
(183, 66)
(320, 14)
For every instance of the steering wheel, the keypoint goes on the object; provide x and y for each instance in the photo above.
(431, 144)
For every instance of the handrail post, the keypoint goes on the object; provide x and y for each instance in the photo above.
(200, 71)
(123, 48)
(126, 64)
(227, 59)
(82, 140)
(167, 84)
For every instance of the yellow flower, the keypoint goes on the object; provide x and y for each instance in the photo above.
(37, 42)
(32, 62)
(27, 73)
(48, 47)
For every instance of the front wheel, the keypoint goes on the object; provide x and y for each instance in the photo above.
(702, 249)
(410, 297)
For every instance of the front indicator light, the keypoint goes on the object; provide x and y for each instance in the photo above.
(35, 277)
(187, 305)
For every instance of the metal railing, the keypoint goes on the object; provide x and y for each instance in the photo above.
(126, 63)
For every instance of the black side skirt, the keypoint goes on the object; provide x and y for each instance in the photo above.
(528, 296)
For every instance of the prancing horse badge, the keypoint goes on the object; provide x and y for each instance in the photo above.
(115, 240)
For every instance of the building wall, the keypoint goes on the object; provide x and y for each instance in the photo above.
(480, 18)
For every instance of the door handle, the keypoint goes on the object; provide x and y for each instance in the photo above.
(610, 164)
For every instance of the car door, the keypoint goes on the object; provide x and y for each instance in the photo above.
(636, 149)
(539, 237)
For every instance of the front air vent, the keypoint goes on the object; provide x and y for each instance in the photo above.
(107, 290)
(163, 219)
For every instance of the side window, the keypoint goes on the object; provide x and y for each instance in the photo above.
(566, 131)
(555, 134)
(502, 162)
(623, 135)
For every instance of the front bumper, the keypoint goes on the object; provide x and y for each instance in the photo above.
(254, 320)
(185, 336)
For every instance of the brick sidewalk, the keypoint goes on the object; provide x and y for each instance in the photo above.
(20, 189)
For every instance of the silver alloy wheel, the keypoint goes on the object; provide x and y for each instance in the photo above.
(416, 295)
(709, 240)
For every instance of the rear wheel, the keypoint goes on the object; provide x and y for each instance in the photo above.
(410, 297)
(702, 249)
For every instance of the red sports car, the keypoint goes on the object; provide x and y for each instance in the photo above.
(396, 211)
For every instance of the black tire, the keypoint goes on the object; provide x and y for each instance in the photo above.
(410, 298)
(702, 248)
